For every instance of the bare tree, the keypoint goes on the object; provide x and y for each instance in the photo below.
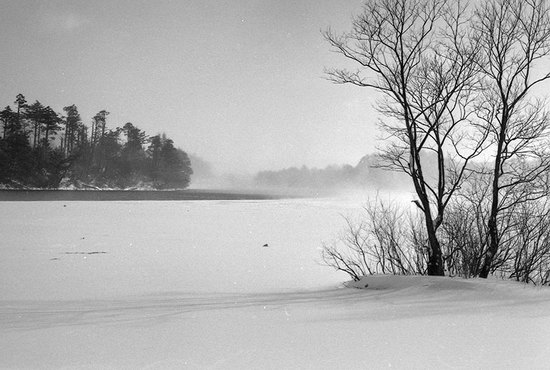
(419, 56)
(513, 36)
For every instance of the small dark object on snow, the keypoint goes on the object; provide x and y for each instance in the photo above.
(265, 245)
(366, 285)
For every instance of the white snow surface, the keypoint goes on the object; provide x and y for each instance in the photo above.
(171, 285)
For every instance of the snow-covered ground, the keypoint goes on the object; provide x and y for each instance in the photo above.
(161, 285)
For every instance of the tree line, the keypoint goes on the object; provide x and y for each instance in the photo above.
(334, 178)
(458, 80)
(41, 148)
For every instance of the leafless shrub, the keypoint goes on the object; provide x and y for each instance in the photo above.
(464, 230)
(387, 241)
(528, 257)
(465, 241)
(524, 234)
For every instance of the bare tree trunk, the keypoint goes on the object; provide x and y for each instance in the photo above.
(435, 261)
(492, 224)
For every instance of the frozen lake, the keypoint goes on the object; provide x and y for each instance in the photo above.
(188, 284)
(79, 250)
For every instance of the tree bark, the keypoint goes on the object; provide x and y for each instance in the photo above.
(435, 261)
(492, 226)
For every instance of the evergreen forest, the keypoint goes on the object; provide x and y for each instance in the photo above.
(42, 148)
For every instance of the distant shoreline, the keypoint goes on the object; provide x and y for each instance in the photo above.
(127, 195)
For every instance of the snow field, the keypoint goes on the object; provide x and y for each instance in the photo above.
(160, 285)
(81, 250)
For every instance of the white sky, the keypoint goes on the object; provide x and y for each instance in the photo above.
(239, 83)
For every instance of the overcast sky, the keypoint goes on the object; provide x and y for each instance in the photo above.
(239, 83)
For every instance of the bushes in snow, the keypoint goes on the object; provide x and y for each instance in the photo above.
(390, 239)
